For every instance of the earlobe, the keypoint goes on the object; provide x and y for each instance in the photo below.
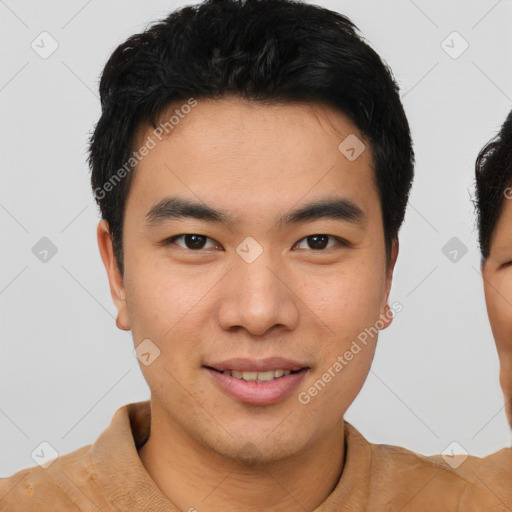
(386, 317)
(117, 290)
(121, 325)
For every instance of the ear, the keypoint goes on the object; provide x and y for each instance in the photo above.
(386, 315)
(115, 279)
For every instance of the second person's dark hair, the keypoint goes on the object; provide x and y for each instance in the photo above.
(493, 177)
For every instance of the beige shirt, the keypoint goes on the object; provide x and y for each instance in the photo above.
(108, 476)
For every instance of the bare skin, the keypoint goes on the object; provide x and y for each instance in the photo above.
(209, 451)
(497, 274)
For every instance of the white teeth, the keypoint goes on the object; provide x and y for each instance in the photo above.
(266, 376)
(258, 376)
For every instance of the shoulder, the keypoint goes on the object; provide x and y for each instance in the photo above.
(411, 481)
(464, 483)
(68, 484)
(492, 473)
(77, 481)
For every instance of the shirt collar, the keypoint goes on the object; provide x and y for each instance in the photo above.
(128, 486)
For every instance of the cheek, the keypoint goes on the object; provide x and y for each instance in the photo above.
(338, 379)
(353, 314)
(498, 296)
(166, 309)
(161, 296)
(343, 311)
(350, 299)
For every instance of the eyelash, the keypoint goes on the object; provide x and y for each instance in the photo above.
(341, 241)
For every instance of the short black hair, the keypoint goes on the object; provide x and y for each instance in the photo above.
(493, 179)
(262, 50)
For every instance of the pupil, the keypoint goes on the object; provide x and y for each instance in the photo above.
(194, 241)
(316, 238)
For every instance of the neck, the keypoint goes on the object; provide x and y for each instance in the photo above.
(196, 478)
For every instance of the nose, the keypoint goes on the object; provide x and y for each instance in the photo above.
(258, 297)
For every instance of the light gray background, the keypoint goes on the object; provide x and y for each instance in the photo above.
(65, 368)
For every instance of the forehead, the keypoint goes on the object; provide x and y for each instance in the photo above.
(245, 154)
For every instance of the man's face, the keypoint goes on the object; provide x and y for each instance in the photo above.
(497, 273)
(249, 289)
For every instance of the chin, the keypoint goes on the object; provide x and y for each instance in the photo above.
(255, 448)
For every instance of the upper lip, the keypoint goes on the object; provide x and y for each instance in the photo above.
(257, 365)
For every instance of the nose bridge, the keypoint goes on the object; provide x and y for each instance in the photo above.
(256, 297)
(257, 280)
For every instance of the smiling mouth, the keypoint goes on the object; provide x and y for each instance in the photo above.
(265, 376)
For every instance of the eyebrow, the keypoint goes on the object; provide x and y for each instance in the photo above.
(339, 209)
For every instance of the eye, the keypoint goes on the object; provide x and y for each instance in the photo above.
(195, 242)
(319, 242)
(191, 241)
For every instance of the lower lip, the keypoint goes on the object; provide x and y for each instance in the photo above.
(258, 393)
